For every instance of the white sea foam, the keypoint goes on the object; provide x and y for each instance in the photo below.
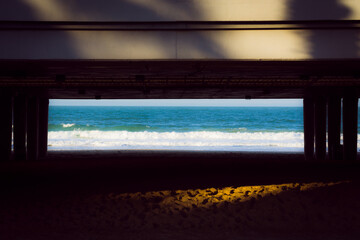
(67, 125)
(197, 140)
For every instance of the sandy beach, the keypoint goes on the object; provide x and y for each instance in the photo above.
(174, 195)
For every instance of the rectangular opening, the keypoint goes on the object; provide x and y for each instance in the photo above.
(269, 125)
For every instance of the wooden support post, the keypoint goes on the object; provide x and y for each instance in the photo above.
(308, 111)
(320, 128)
(350, 122)
(6, 106)
(20, 115)
(33, 129)
(334, 124)
(43, 126)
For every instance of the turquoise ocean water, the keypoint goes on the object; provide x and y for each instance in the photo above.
(178, 128)
(185, 128)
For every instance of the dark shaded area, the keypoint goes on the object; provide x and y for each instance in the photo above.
(159, 170)
(24, 11)
(319, 213)
(73, 196)
(179, 79)
(318, 10)
(326, 43)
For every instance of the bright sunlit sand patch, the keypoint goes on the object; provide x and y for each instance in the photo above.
(294, 206)
(282, 208)
(206, 198)
(317, 210)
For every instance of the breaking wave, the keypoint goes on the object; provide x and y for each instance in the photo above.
(67, 125)
(196, 140)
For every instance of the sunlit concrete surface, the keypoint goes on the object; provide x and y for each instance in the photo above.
(173, 10)
(247, 44)
(299, 40)
(208, 44)
(202, 45)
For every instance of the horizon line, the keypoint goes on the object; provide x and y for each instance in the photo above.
(179, 102)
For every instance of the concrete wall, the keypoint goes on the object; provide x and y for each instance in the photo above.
(178, 10)
(275, 44)
(255, 44)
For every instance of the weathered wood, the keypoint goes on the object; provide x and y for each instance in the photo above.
(6, 106)
(308, 108)
(320, 128)
(350, 121)
(20, 127)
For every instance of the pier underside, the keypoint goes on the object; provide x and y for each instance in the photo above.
(27, 85)
(94, 79)
(190, 49)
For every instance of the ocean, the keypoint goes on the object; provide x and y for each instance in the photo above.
(176, 128)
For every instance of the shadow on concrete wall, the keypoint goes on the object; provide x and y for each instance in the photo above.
(326, 43)
(92, 10)
(23, 11)
(20, 10)
(322, 43)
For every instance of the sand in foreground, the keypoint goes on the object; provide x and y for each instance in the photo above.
(93, 205)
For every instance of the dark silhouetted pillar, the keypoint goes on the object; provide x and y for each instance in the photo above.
(350, 121)
(43, 126)
(20, 115)
(308, 111)
(33, 128)
(334, 124)
(320, 128)
(6, 105)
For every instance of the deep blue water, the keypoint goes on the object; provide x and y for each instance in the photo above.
(178, 119)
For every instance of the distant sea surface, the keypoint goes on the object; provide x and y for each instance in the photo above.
(176, 128)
